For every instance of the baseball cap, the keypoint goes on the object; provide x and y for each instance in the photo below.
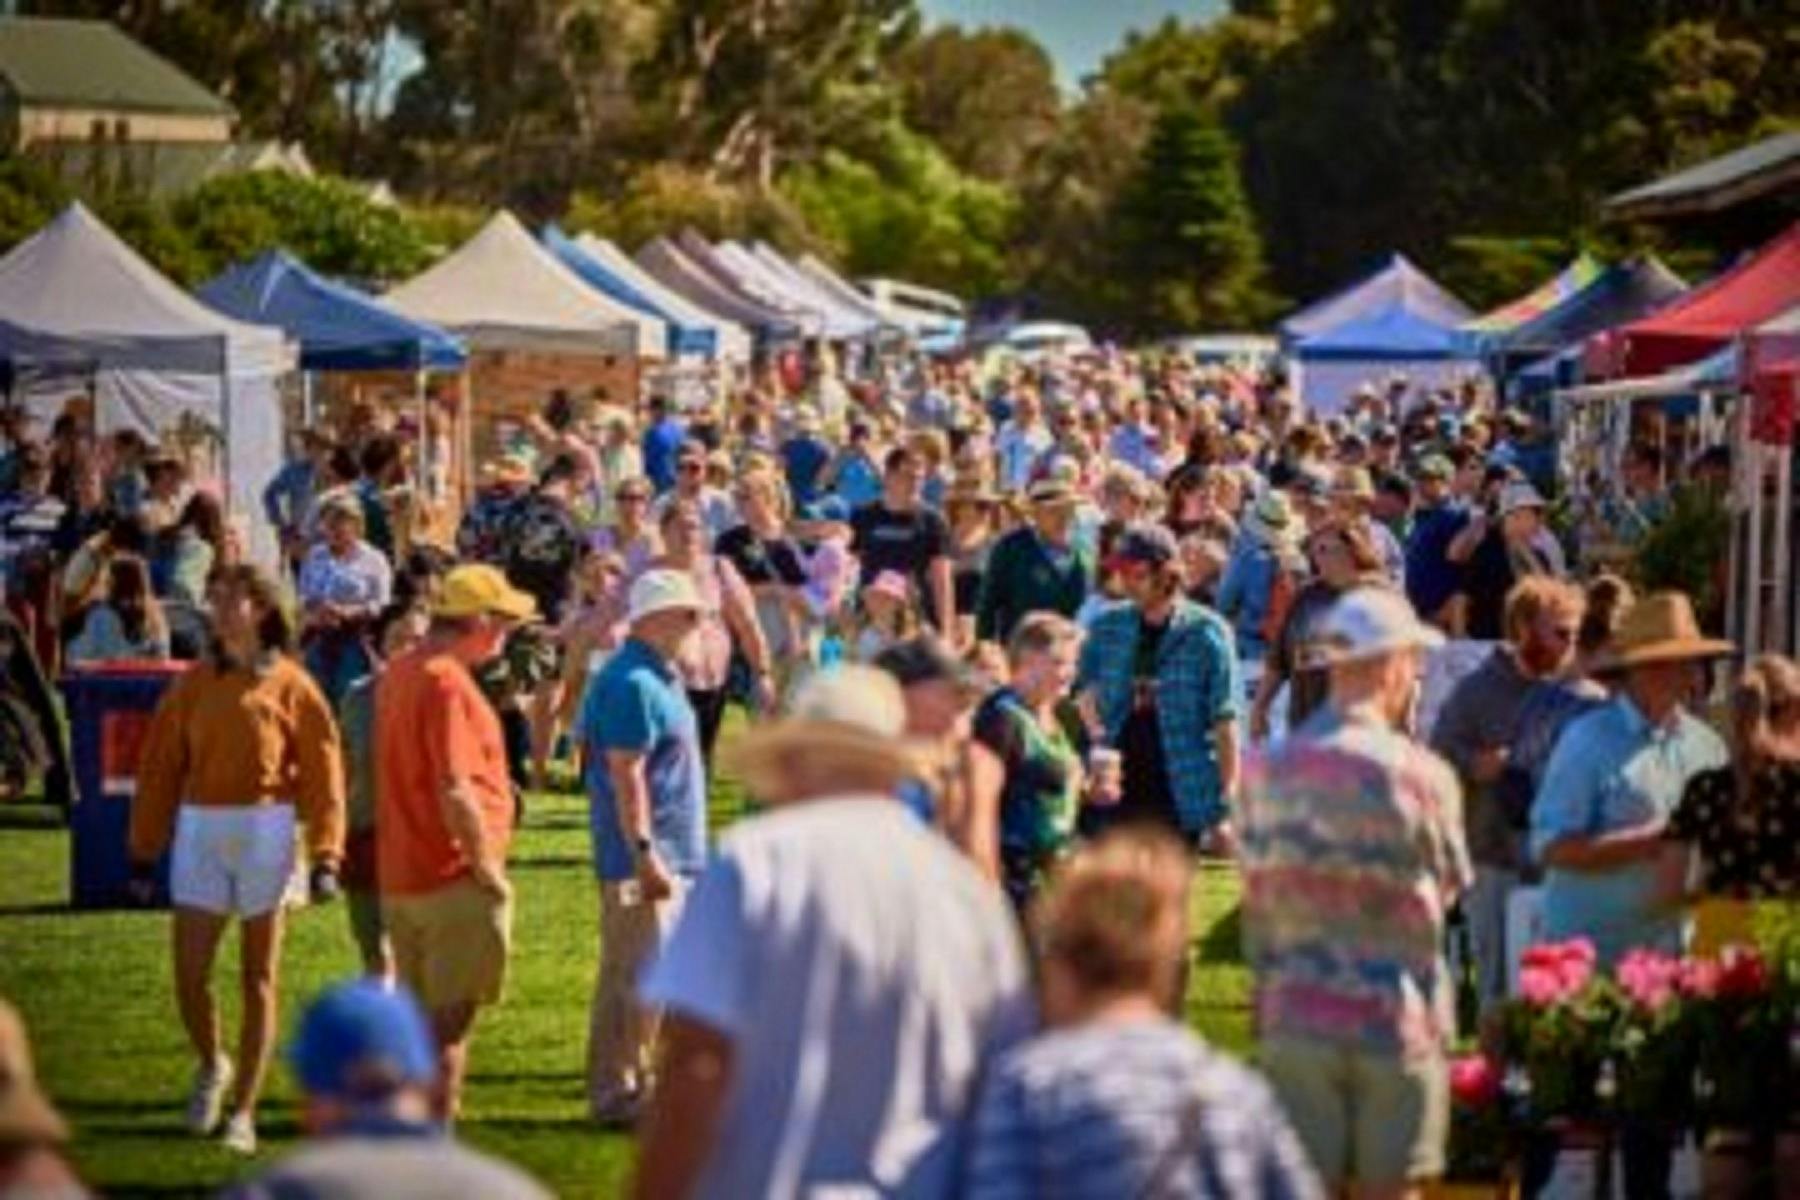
(476, 588)
(826, 508)
(361, 1041)
(1144, 543)
(1519, 495)
(662, 590)
(1368, 622)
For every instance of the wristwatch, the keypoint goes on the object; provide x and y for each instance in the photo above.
(641, 845)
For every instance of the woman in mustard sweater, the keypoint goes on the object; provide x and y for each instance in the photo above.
(238, 749)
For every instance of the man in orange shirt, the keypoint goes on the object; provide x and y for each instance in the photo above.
(444, 814)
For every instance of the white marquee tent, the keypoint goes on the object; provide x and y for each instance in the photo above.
(501, 290)
(79, 308)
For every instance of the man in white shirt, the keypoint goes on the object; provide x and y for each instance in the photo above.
(838, 980)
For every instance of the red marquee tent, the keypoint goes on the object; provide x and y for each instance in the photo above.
(1711, 315)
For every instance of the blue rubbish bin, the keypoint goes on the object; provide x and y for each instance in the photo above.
(109, 707)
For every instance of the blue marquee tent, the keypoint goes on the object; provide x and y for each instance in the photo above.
(682, 338)
(337, 327)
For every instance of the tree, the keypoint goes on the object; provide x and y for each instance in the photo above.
(908, 212)
(988, 98)
(667, 197)
(1188, 242)
(29, 196)
(750, 86)
(327, 223)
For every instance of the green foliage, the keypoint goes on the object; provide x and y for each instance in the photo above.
(1187, 239)
(1489, 271)
(148, 229)
(29, 196)
(1684, 550)
(666, 198)
(328, 223)
(908, 212)
(987, 97)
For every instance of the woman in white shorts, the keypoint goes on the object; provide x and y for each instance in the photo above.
(241, 749)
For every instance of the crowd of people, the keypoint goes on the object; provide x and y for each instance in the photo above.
(1015, 651)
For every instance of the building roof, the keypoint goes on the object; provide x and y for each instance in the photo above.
(1762, 168)
(95, 64)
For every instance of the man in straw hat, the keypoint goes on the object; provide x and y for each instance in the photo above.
(1036, 567)
(1353, 997)
(1615, 776)
(32, 1132)
(646, 783)
(828, 942)
(444, 814)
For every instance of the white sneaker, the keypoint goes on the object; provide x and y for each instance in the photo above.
(240, 1134)
(208, 1096)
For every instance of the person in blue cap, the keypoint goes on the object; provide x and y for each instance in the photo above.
(367, 1066)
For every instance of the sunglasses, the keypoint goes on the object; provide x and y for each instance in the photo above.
(632, 498)
(690, 465)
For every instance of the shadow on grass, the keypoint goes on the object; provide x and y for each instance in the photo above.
(31, 816)
(548, 862)
(1223, 944)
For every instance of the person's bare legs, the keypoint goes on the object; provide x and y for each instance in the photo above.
(196, 937)
(452, 1027)
(259, 958)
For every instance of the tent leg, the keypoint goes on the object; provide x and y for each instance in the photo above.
(1753, 608)
(225, 429)
(308, 417)
(1782, 604)
(422, 461)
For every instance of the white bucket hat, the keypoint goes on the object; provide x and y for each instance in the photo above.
(659, 591)
(1368, 622)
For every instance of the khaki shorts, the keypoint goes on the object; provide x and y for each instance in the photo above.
(1380, 1121)
(451, 945)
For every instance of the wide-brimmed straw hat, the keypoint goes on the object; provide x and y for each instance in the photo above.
(1274, 521)
(852, 715)
(1662, 628)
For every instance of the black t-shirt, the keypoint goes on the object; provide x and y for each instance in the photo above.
(906, 542)
(1491, 572)
(775, 560)
(1148, 794)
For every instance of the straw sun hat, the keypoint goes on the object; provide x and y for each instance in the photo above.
(850, 715)
(1662, 628)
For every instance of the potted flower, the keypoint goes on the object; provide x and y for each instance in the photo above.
(1652, 1056)
(1556, 1036)
(1743, 1026)
(1480, 1131)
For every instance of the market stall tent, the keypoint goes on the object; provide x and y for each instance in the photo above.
(710, 259)
(731, 340)
(682, 338)
(336, 327)
(1397, 283)
(1621, 293)
(502, 291)
(1492, 326)
(843, 319)
(1761, 287)
(80, 308)
(831, 284)
(672, 266)
(1394, 341)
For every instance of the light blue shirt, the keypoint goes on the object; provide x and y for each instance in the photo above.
(636, 703)
(1612, 770)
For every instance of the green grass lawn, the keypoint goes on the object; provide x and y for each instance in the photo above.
(95, 989)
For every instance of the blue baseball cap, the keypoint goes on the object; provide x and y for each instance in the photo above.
(361, 1041)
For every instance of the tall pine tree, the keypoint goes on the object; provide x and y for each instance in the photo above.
(1188, 243)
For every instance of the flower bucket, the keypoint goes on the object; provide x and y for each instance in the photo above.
(1728, 1166)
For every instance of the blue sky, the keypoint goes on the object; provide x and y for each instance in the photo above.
(1078, 33)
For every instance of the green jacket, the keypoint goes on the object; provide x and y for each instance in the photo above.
(1021, 578)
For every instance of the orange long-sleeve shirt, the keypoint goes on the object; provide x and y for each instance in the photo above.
(231, 738)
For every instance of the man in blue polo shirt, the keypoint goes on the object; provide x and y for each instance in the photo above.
(1432, 580)
(662, 442)
(646, 783)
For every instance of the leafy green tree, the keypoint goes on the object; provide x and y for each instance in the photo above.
(987, 97)
(909, 212)
(327, 223)
(1188, 242)
(148, 229)
(668, 197)
(29, 196)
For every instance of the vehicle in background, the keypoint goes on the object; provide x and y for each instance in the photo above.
(936, 320)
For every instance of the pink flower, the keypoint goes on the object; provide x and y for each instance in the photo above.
(1579, 948)
(1700, 978)
(1474, 1081)
(1540, 986)
(1649, 978)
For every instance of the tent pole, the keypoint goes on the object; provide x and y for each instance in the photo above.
(422, 462)
(225, 427)
(1784, 482)
(1754, 576)
(307, 415)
